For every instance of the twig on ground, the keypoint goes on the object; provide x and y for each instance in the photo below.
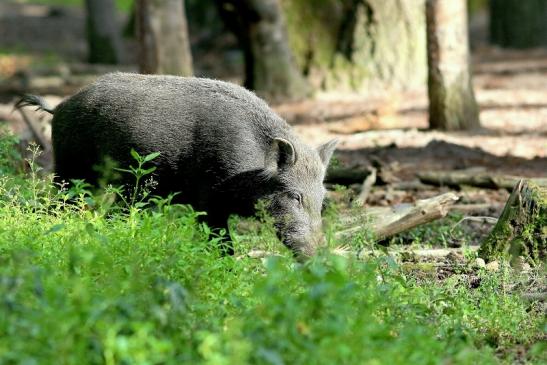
(490, 220)
(370, 180)
(38, 136)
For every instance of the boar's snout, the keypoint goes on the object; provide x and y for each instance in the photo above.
(304, 250)
(304, 238)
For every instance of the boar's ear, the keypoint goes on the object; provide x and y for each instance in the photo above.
(280, 155)
(325, 151)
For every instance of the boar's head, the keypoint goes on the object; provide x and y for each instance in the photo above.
(296, 202)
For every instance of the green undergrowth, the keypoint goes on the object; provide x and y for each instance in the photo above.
(84, 280)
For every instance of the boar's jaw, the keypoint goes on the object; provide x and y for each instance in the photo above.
(303, 246)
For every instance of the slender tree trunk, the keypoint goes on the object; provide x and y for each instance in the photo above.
(103, 32)
(452, 104)
(270, 68)
(518, 23)
(163, 38)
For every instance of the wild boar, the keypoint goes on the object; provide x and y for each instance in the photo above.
(221, 147)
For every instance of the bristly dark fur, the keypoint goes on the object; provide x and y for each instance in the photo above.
(33, 100)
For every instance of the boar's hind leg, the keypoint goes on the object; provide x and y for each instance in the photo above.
(71, 165)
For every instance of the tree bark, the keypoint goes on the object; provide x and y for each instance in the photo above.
(518, 24)
(452, 104)
(365, 46)
(270, 68)
(103, 32)
(164, 46)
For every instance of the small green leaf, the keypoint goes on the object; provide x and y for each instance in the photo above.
(90, 229)
(149, 171)
(151, 156)
(135, 155)
(55, 228)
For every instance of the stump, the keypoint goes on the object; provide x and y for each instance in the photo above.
(521, 230)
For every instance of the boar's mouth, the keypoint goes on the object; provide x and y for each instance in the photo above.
(302, 248)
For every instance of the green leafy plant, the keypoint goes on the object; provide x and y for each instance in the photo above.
(139, 192)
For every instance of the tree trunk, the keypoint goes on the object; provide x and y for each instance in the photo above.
(103, 33)
(162, 30)
(518, 23)
(452, 104)
(270, 69)
(521, 228)
(365, 46)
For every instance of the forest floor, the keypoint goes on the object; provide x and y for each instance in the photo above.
(388, 133)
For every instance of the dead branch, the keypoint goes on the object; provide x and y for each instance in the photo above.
(35, 130)
(473, 208)
(442, 252)
(370, 180)
(386, 222)
(409, 185)
(430, 252)
(472, 177)
(346, 175)
(483, 219)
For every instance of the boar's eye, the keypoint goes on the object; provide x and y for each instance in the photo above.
(295, 196)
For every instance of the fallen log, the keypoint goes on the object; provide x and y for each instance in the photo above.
(474, 177)
(475, 208)
(345, 251)
(521, 230)
(388, 221)
(426, 253)
(346, 175)
(409, 185)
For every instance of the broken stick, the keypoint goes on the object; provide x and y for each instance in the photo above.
(367, 185)
(386, 222)
(35, 130)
